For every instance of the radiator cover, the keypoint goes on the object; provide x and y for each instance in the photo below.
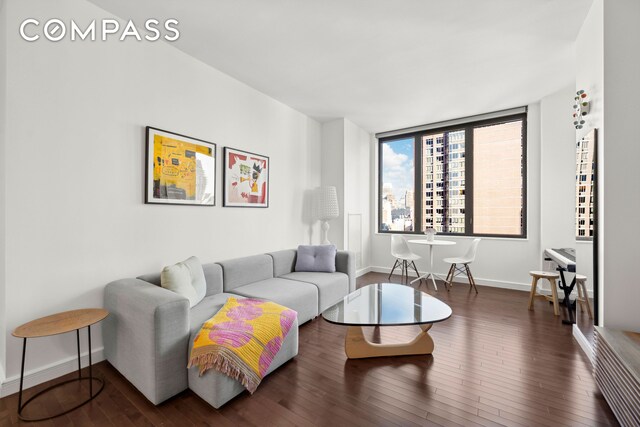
(617, 372)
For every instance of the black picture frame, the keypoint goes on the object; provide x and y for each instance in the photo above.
(234, 181)
(194, 170)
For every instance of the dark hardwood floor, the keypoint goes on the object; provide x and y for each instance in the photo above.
(495, 363)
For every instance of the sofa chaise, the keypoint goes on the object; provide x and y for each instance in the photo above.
(148, 334)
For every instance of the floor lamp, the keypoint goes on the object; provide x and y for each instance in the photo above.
(326, 209)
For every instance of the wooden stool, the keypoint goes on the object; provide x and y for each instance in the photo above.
(583, 296)
(551, 277)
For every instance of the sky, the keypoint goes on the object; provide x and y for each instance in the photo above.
(397, 165)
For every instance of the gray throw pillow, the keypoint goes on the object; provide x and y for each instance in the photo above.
(321, 258)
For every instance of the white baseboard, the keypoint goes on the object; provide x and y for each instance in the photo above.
(482, 282)
(583, 342)
(49, 372)
(479, 281)
(363, 271)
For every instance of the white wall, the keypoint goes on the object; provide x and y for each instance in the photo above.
(75, 169)
(357, 176)
(500, 262)
(332, 166)
(590, 68)
(589, 77)
(558, 178)
(3, 111)
(346, 151)
(621, 172)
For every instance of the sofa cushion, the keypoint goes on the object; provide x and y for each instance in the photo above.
(185, 278)
(346, 263)
(242, 271)
(205, 309)
(316, 258)
(299, 296)
(198, 281)
(212, 274)
(332, 287)
(283, 261)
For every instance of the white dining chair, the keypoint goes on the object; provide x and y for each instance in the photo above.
(404, 257)
(465, 260)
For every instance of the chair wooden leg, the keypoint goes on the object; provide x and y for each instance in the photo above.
(453, 274)
(534, 284)
(586, 299)
(472, 282)
(554, 295)
(447, 282)
(395, 264)
(405, 271)
(580, 299)
(585, 295)
(466, 271)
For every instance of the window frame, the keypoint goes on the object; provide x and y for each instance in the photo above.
(468, 127)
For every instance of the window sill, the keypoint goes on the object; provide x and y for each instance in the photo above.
(453, 237)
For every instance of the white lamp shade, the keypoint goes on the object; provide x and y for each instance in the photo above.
(327, 203)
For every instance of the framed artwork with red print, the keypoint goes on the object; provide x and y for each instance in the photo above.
(245, 179)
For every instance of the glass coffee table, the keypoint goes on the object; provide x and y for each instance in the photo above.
(387, 304)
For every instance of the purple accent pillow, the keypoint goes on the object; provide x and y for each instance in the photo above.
(321, 258)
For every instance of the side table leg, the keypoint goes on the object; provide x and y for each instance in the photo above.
(24, 351)
(90, 369)
(79, 363)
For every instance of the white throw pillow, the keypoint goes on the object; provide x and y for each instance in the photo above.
(185, 278)
(197, 276)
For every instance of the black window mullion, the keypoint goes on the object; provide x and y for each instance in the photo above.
(523, 138)
(380, 172)
(445, 182)
(468, 181)
(418, 185)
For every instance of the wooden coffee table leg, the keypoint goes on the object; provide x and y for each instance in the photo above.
(356, 346)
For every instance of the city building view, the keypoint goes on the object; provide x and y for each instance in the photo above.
(443, 180)
(397, 195)
(585, 150)
(397, 213)
(498, 179)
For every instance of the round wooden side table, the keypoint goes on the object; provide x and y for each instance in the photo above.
(55, 324)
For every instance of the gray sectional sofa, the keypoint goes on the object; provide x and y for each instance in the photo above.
(147, 336)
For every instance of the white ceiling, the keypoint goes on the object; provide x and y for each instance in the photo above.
(384, 64)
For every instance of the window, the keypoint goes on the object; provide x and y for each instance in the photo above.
(450, 193)
(498, 178)
(397, 192)
(471, 179)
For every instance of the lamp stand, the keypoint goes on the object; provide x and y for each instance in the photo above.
(325, 233)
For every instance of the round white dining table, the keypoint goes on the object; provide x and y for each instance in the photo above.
(430, 244)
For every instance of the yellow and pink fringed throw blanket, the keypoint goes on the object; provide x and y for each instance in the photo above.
(242, 339)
